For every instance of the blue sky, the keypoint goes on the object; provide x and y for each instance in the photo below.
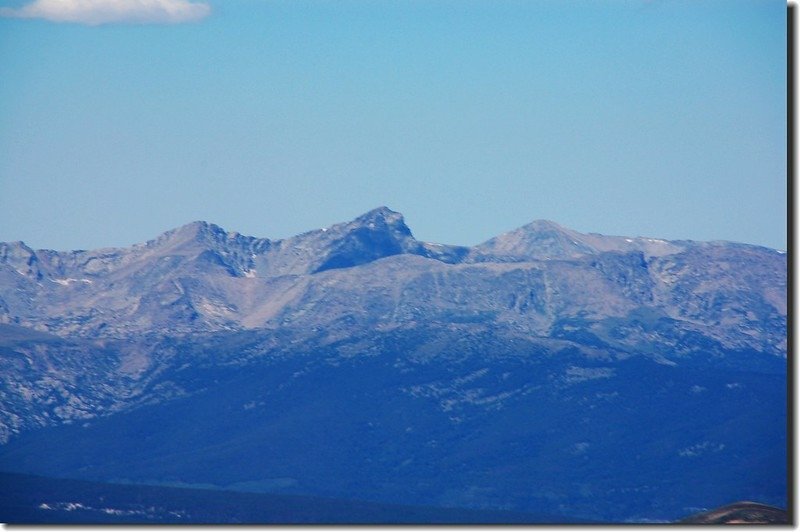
(471, 117)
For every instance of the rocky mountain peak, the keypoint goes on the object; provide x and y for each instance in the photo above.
(540, 239)
(544, 225)
(383, 218)
(357, 334)
(378, 233)
(194, 232)
(20, 257)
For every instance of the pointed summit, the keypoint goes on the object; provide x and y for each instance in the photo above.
(540, 239)
(544, 225)
(193, 231)
(20, 257)
(383, 218)
(545, 239)
(379, 212)
(378, 233)
(209, 245)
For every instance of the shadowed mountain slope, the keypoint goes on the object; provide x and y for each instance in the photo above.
(545, 371)
(201, 278)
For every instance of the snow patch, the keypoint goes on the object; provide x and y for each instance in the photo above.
(73, 506)
(213, 309)
(704, 447)
(68, 281)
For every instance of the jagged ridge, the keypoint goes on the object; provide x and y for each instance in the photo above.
(216, 346)
(200, 277)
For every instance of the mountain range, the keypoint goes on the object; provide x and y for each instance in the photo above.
(545, 371)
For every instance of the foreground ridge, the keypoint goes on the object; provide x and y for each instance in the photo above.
(743, 512)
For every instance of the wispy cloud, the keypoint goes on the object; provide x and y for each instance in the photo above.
(93, 12)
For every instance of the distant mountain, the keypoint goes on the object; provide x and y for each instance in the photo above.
(543, 239)
(201, 278)
(544, 371)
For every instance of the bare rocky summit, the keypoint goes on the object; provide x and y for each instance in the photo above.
(371, 270)
(387, 359)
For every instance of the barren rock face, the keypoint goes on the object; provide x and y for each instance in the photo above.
(201, 278)
(545, 370)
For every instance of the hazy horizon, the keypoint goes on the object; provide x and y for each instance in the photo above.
(272, 118)
(233, 230)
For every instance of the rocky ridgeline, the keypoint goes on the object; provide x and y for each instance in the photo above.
(372, 272)
(386, 359)
(106, 309)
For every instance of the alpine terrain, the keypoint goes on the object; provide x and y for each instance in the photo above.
(546, 373)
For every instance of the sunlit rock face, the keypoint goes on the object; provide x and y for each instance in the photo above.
(545, 370)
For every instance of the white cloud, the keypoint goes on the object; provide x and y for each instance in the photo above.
(95, 12)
